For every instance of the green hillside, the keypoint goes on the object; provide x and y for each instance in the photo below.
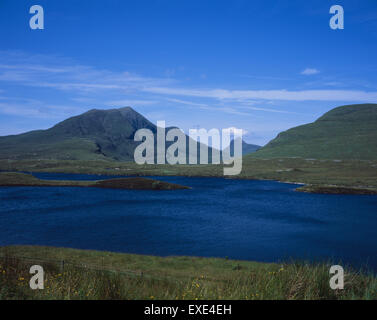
(93, 135)
(347, 132)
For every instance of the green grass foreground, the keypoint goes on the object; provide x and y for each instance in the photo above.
(105, 275)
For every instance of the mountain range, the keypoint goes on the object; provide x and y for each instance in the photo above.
(93, 135)
(346, 132)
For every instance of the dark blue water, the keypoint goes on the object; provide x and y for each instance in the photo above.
(240, 219)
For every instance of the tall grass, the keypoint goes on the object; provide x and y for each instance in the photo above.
(255, 282)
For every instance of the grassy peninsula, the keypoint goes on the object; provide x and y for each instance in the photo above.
(13, 179)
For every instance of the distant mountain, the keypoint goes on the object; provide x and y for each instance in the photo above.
(246, 148)
(93, 135)
(346, 132)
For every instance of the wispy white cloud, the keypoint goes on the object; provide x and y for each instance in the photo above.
(189, 103)
(270, 110)
(203, 106)
(227, 109)
(309, 71)
(263, 77)
(131, 103)
(34, 108)
(86, 84)
(230, 110)
(58, 74)
(39, 110)
(305, 95)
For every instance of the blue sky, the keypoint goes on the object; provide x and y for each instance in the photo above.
(263, 66)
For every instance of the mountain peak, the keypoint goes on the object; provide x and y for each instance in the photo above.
(104, 124)
(122, 109)
(94, 134)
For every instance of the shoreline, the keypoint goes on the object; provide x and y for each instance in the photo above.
(141, 183)
(340, 190)
(323, 176)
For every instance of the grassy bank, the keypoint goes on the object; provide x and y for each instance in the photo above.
(13, 179)
(347, 174)
(105, 275)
